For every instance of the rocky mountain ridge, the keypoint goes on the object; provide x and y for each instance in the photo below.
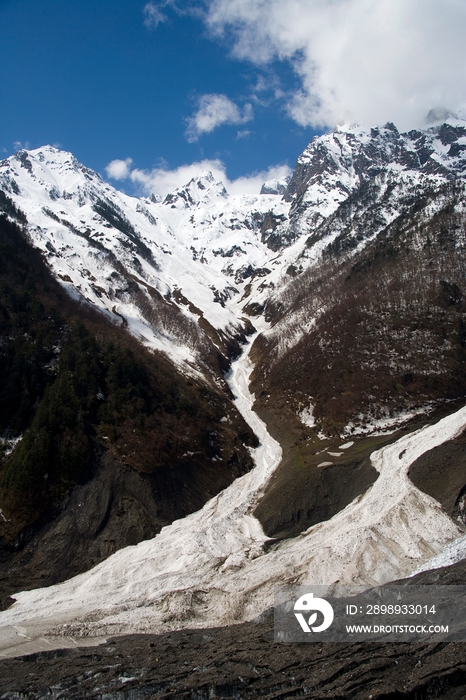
(201, 254)
(102, 442)
(171, 269)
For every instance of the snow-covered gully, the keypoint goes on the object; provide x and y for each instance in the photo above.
(211, 568)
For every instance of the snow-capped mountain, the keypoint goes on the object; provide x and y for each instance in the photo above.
(207, 254)
(188, 274)
(353, 278)
(186, 257)
(333, 167)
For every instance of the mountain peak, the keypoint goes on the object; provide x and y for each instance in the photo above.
(439, 115)
(201, 189)
(47, 154)
(275, 186)
(52, 165)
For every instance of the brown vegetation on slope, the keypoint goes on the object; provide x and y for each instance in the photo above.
(389, 332)
(388, 336)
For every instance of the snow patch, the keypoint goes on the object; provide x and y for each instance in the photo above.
(383, 426)
(306, 417)
(9, 444)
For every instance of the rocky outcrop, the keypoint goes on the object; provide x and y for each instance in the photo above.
(442, 474)
(294, 502)
(116, 508)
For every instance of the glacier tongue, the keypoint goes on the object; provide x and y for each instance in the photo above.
(211, 568)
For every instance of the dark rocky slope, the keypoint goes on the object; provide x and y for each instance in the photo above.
(300, 496)
(301, 493)
(390, 318)
(389, 338)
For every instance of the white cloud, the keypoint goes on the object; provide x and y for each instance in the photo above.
(213, 111)
(153, 14)
(19, 145)
(161, 180)
(119, 169)
(357, 60)
(252, 183)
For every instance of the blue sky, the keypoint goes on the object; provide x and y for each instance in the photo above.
(94, 79)
(147, 92)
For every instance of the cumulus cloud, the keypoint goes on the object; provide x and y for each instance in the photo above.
(161, 180)
(357, 60)
(213, 111)
(119, 169)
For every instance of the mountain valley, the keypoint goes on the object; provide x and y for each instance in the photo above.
(207, 395)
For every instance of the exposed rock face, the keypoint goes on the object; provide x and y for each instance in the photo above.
(275, 186)
(292, 505)
(350, 156)
(339, 167)
(442, 474)
(116, 508)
